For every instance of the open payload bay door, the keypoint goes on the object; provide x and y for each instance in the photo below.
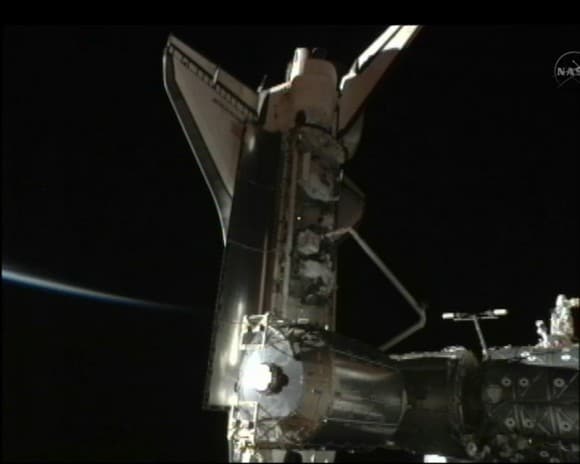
(358, 83)
(213, 108)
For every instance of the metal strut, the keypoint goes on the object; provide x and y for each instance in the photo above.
(396, 283)
(475, 318)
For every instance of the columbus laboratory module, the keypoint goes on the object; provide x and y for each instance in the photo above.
(294, 389)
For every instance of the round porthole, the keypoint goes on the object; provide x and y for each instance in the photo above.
(510, 422)
(566, 426)
(559, 382)
(471, 449)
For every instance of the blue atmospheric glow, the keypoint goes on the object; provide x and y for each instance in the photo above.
(20, 278)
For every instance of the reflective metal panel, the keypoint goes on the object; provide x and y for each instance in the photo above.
(241, 289)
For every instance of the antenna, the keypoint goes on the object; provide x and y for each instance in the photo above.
(475, 318)
(262, 83)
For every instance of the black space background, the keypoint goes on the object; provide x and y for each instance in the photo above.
(469, 161)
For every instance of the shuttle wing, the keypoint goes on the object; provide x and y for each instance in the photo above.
(357, 84)
(213, 108)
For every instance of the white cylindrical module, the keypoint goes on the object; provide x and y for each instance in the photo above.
(326, 391)
(314, 93)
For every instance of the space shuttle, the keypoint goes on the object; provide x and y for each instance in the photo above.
(294, 389)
